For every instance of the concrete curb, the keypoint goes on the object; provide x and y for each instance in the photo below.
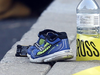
(11, 65)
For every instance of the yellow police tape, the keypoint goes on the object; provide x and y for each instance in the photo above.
(90, 71)
(88, 48)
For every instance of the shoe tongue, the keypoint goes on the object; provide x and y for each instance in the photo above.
(41, 41)
(42, 36)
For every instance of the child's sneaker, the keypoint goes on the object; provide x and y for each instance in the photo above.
(55, 47)
(41, 35)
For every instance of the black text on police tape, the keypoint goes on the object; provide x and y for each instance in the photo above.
(86, 48)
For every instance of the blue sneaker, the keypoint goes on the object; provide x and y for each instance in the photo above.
(55, 47)
(41, 35)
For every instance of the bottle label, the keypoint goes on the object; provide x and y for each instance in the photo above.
(88, 20)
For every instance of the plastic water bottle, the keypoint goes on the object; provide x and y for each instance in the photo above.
(88, 18)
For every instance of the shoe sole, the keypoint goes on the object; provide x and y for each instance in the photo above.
(29, 56)
(61, 55)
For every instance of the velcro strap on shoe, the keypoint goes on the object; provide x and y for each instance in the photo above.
(36, 45)
(41, 48)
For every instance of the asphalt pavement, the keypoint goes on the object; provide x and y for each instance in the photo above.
(11, 30)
